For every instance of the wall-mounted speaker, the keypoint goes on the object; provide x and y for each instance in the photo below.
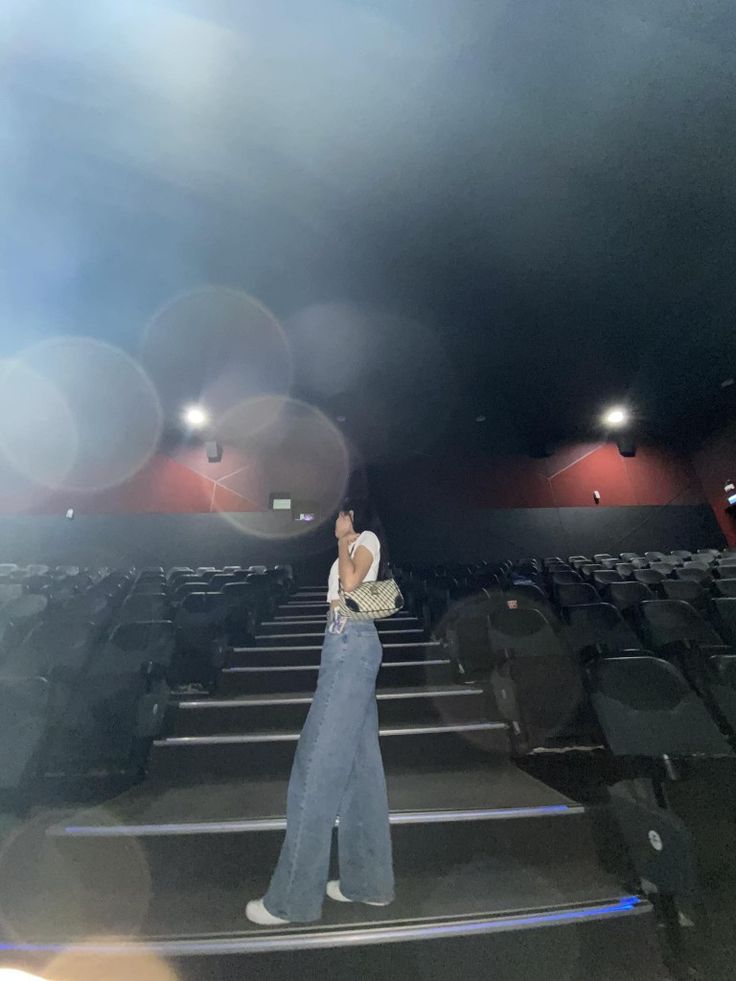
(214, 451)
(626, 445)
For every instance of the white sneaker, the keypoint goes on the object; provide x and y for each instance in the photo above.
(257, 913)
(333, 891)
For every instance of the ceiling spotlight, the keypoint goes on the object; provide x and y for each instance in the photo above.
(480, 418)
(727, 382)
(195, 416)
(341, 418)
(616, 417)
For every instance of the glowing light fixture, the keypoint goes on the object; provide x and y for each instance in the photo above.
(195, 416)
(615, 417)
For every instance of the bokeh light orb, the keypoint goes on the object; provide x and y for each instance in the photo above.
(96, 959)
(215, 346)
(282, 444)
(330, 343)
(45, 884)
(77, 414)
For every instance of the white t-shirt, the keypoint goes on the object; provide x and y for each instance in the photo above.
(371, 542)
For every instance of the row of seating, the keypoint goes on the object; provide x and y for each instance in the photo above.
(549, 645)
(87, 681)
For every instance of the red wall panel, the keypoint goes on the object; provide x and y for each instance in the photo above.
(604, 470)
(188, 483)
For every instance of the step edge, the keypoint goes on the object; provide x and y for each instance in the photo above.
(318, 647)
(249, 825)
(315, 667)
(321, 938)
(224, 739)
(255, 701)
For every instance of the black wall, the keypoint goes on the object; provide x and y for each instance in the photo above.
(168, 539)
(414, 534)
(428, 535)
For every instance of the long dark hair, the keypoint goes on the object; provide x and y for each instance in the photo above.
(365, 518)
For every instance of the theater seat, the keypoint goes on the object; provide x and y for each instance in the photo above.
(24, 711)
(587, 570)
(625, 570)
(57, 649)
(687, 590)
(564, 577)
(143, 607)
(240, 604)
(646, 708)
(602, 577)
(674, 624)
(19, 616)
(536, 680)
(467, 640)
(599, 630)
(694, 573)
(720, 686)
(524, 596)
(626, 596)
(724, 587)
(723, 615)
(575, 594)
(650, 577)
(200, 640)
(127, 693)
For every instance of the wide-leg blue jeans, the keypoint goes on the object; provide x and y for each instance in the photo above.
(337, 773)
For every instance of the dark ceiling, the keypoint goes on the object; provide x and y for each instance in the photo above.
(518, 209)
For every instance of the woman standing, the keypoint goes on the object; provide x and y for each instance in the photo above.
(337, 769)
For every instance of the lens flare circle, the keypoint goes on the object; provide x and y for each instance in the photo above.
(46, 886)
(215, 346)
(77, 414)
(282, 445)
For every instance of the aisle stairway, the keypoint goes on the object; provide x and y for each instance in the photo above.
(485, 855)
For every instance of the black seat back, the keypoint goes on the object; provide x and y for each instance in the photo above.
(694, 573)
(24, 710)
(575, 594)
(141, 641)
(599, 628)
(649, 577)
(668, 622)
(523, 596)
(724, 587)
(602, 577)
(687, 590)
(587, 570)
(626, 596)
(646, 708)
(723, 613)
(536, 680)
